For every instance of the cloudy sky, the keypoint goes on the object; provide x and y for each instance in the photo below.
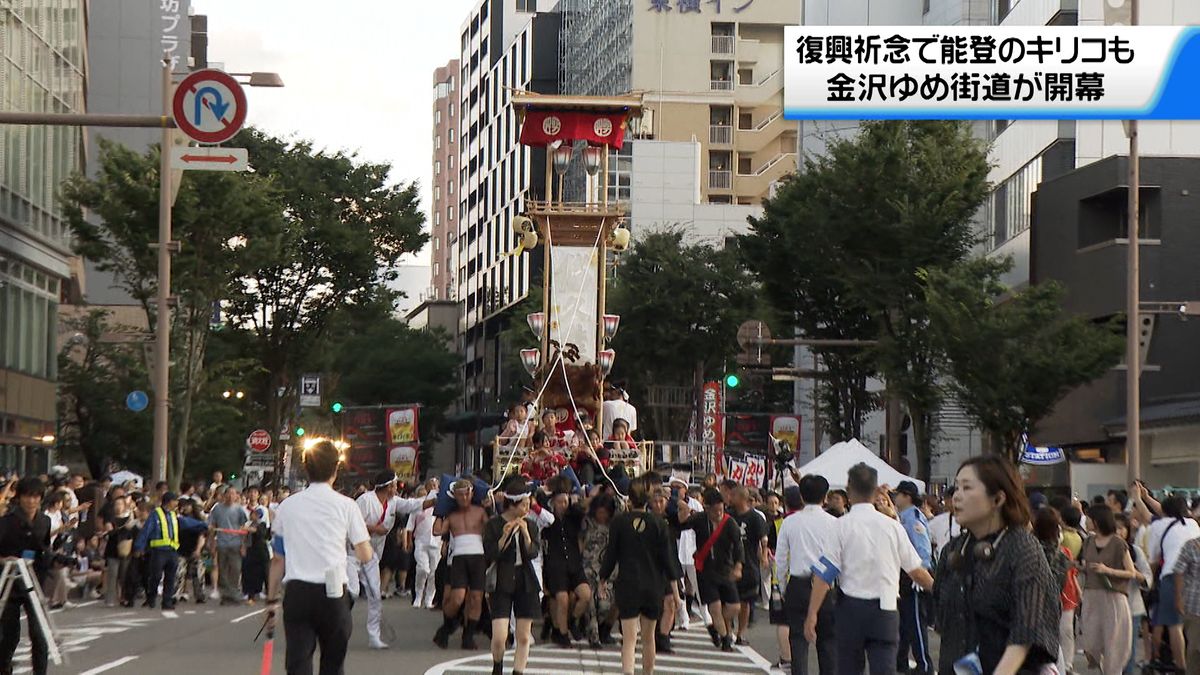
(358, 76)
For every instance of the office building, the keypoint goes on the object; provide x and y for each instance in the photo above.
(506, 46)
(444, 205)
(44, 47)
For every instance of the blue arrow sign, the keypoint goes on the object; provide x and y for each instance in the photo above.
(137, 400)
(218, 105)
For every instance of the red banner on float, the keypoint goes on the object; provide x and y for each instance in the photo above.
(543, 127)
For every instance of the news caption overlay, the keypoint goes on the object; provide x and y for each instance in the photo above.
(989, 72)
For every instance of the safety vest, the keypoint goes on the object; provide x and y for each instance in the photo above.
(167, 536)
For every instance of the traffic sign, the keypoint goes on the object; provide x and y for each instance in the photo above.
(259, 440)
(137, 400)
(209, 106)
(310, 391)
(209, 159)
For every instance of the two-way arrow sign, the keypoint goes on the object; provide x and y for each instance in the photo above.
(209, 159)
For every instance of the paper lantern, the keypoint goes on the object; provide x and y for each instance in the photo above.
(605, 361)
(531, 359)
(537, 323)
(611, 322)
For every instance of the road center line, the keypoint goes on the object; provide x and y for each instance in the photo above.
(109, 666)
(243, 618)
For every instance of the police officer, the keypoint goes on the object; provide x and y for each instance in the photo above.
(868, 550)
(913, 607)
(159, 538)
(310, 533)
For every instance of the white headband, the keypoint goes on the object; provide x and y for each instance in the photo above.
(516, 498)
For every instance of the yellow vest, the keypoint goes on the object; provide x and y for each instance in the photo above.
(167, 536)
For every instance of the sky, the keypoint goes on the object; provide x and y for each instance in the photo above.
(358, 76)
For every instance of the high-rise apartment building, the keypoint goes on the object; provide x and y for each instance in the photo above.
(444, 205)
(712, 74)
(43, 44)
(506, 46)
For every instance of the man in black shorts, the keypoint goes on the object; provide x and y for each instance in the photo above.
(753, 529)
(638, 542)
(719, 556)
(562, 566)
(510, 542)
(467, 568)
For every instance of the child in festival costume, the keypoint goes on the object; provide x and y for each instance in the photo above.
(544, 462)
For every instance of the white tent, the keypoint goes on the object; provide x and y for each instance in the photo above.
(837, 460)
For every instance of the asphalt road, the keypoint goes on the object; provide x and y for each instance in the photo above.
(212, 640)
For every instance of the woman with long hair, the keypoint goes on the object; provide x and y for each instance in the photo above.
(996, 598)
(1047, 527)
(1137, 604)
(1108, 569)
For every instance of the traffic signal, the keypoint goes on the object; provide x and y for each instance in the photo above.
(732, 381)
(337, 407)
(299, 431)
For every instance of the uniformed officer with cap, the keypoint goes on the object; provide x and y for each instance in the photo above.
(866, 554)
(913, 607)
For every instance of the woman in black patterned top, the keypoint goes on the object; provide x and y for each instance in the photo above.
(995, 575)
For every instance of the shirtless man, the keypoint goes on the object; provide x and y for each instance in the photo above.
(465, 526)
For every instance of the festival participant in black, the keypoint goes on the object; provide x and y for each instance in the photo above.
(719, 557)
(638, 544)
(659, 497)
(753, 529)
(510, 542)
(995, 597)
(25, 533)
(567, 588)
(311, 530)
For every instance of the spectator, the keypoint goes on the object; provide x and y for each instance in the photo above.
(227, 544)
(24, 530)
(118, 523)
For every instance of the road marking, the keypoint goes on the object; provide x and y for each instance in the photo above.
(254, 613)
(556, 661)
(109, 666)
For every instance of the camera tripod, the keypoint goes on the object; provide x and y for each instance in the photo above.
(19, 571)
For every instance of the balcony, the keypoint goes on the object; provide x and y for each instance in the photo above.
(720, 134)
(722, 44)
(720, 180)
(721, 85)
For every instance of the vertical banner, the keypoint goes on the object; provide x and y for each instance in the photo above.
(403, 460)
(402, 425)
(574, 285)
(786, 428)
(756, 471)
(710, 427)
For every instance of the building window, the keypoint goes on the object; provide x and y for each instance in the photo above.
(1013, 202)
(526, 5)
(437, 168)
(450, 187)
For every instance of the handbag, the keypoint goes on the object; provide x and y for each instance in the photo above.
(124, 548)
(776, 598)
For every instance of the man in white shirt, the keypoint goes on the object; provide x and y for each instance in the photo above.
(428, 553)
(802, 538)
(379, 510)
(311, 531)
(865, 555)
(944, 527)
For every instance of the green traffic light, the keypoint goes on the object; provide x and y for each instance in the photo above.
(732, 381)
(336, 407)
(299, 431)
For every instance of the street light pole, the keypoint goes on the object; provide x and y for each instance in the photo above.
(1133, 358)
(162, 330)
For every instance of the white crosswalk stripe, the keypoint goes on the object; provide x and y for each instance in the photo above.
(694, 655)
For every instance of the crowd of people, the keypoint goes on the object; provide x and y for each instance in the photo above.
(1012, 583)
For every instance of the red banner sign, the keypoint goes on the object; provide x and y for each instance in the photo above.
(711, 424)
(543, 127)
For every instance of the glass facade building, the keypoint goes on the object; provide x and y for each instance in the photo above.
(43, 60)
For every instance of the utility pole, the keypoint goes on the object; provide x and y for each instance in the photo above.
(162, 309)
(1133, 327)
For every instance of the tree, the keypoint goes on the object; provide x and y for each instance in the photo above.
(1012, 359)
(840, 247)
(680, 306)
(343, 229)
(95, 374)
(212, 213)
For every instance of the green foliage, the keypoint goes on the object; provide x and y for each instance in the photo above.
(839, 247)
(680, 305)
(95, 374)
(1013, 359)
